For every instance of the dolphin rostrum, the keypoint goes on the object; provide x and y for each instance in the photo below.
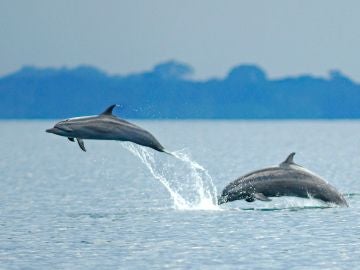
(286, 179)
(105, 126)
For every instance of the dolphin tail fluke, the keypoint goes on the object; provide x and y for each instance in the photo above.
(167, 152)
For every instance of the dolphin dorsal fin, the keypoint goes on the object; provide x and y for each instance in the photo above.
(289, 160)
(109, 110)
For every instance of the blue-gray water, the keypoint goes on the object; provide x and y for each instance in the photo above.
(61, 208)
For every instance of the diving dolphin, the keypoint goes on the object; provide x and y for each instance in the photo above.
(105, 126)
(286, 179)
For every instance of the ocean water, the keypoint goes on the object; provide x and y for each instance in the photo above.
(119, 206)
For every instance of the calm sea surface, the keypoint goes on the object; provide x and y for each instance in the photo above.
(61, 208)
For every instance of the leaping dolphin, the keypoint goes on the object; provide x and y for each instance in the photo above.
(105, 126)
(286, 179)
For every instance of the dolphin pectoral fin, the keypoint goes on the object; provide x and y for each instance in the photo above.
(261, 197)
(81, 144)
(71, 139)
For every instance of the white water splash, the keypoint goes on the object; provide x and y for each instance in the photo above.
(188, 183)
(281, 203)
(296, 202)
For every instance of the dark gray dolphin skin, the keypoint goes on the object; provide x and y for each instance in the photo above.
(105, 126)
(286, 179)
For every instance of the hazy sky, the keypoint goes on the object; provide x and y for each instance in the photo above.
(284, 37)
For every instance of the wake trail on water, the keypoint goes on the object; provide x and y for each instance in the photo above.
(188, 183)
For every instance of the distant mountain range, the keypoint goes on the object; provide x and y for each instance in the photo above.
(167, 92)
